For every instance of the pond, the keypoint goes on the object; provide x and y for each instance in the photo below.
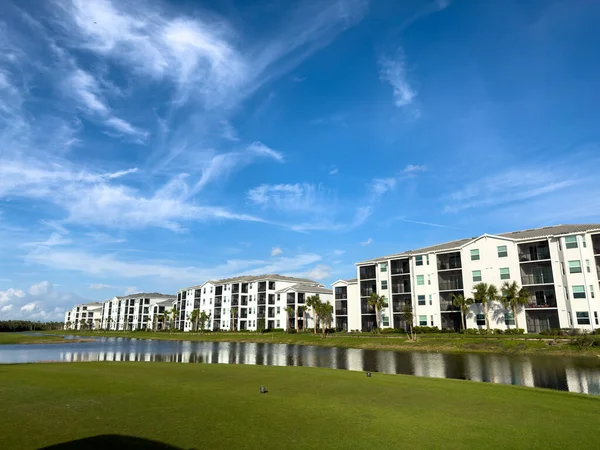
(566, 374)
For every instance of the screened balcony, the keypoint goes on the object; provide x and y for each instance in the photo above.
(400, 267)
(400, 303)
(401, 285)
(536, 273)
(367, 288)
(341, 292)
(449, 261)
(596, 243)
(535, 251)
(367, 272)
(541, 298)
(291, 298)
(446, 302)
(450, 282)
(262, 286)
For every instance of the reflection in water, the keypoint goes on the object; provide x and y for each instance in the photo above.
(572, 374)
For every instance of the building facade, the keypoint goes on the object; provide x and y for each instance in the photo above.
(347, 305)
(558, 266)
(251, 302)
(138, 311)
(84, 317)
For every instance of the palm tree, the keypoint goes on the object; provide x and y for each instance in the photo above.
(513, 297)
(69, 323)
(378, 302)
(174, 314)
(313, 303)
(325, 313)
(485, 293)
(193, 317)
(301, 312)
(463, 304)
(289, 311)
(203, 319)
(234, 312)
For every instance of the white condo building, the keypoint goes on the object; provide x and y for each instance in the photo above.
(138, 311)
(251, 302)
(559, 266)
(84, 316)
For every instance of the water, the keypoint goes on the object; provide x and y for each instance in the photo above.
(565, 374)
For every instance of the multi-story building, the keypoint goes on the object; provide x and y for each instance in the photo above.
(558, 266)
(85, 316)
(136, 311)
(347, 305)
(251, 302)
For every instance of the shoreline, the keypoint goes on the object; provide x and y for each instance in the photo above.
(504, 345)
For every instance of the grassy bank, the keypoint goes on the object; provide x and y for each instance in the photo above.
(447, 343)
(219, 406)
(22, 338)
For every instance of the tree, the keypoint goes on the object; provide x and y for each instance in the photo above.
(289, 311)
(325, 313)
(463, 304)
(69, 323)
(301, 310)
(193, 317)
(485, 294)
(148, 320)
(97, 324)
(234, 312)
(313, 302)
(203, 320)
(378, 302)
(407, 312)
(513, 297)
(174, 315)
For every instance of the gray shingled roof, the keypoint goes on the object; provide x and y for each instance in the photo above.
(533, 233)
(251, 278)
(351, 280)
(147, 295)
(306, 288)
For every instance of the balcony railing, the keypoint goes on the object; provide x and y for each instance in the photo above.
(341, 296)
(262, 299)
(449, 265)
(541, 278)
(271, 299)
(452, 285)
(400, 289)
(341, 312)
(446, 305)
(367, 292)
(400, 270)
(534, 256)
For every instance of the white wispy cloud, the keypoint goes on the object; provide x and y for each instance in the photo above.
(110, 265)
(11, 294)
(393, 71)
(130, 290)
(513, 185)
(413, 169)
(333, 171)
(369, 241)
(380, 186)
(292, 198)
(319, 272)
(42, 288)
(276, 251)
(99, 286)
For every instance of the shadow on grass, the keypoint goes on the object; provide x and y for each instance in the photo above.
(112, 441)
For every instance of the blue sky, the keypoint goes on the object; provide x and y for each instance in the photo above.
(149, 146)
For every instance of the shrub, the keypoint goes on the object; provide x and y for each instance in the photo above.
(392, 331)
(424, 330)
(586, 341)
(498, 331)
(292, 331)
(514, 331)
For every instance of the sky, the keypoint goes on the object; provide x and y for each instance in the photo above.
(149, 146)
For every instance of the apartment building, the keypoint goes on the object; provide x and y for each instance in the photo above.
(251, 302)
(347, 305)
(136, 311)
(84, 316)
(559, 266)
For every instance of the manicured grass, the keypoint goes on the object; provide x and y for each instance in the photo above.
(219, 406)
(446, 343)
(21, 338)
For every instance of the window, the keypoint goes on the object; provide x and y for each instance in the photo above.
(575, 266)
(571, 242)
(430, 300)
(583, 318)
(427, 259)
(583, 242)
(429, 280)
(566, 293)
(419, 260)
(385, 321)
(596, 317)
(278, 324)
(383, 284)
(592, 291)
(578, 291)
(504, 273)
(279, 310)
(431, 319)
(480, 319)
(475, 255)
(423, 321)
(476, 276)
(562, 268)
(587, 265)
(509, 319)
(383, 267)
(420, 280)
(502, 251)
(278, 297)
(421, 300)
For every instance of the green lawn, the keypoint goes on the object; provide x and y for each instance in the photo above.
(21, 338)
(446, 343)
(219, 406)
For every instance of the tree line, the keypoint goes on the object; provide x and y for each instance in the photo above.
(27, 325)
